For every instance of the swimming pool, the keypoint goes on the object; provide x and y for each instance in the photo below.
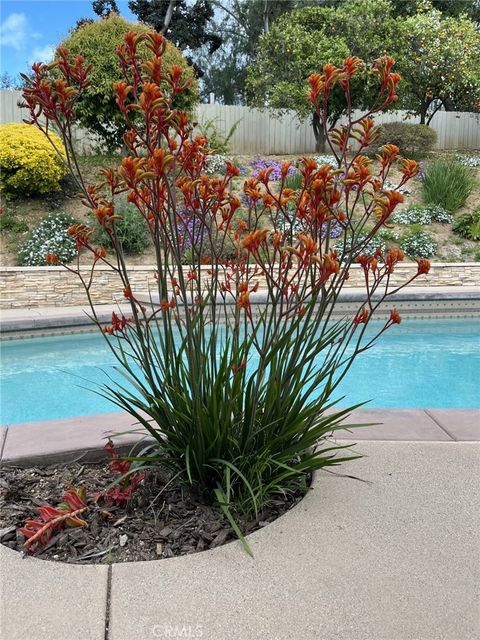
(419, 364)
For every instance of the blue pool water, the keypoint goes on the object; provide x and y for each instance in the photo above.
(421, 363)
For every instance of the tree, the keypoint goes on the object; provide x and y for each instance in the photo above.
(187, 26)
(302, 41)
(97, 42)
(241, 23)
(104, 8)
(438, 60)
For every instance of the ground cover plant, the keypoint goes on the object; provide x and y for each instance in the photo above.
(236, 398)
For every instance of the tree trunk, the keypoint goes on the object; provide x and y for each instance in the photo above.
(168, 17)
(319, 133)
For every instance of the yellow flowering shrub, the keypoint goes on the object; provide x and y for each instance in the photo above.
(28, 162)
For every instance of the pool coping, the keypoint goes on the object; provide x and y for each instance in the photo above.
(84, 437)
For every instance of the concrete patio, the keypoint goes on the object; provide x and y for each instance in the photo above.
(393, 558)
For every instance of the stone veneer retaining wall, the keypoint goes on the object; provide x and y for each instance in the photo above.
(54, 286)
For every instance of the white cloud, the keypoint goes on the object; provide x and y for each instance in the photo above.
(42, 54)
(13, 31)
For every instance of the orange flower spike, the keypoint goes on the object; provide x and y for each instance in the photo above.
(156, 42)
(276, 240)
(409, 168)
(285, 166)
(395, 316)
(423, 266)
(394, 256)
(231, 169)
(351, 65)
(387, 154)
(361, 317)
(160, 161)
(131, 170)
(316, 83)
(51, 259)
(254, 239)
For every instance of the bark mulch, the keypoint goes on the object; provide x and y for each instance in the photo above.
(160, 522)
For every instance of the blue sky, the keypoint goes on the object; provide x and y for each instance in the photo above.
(30, 30)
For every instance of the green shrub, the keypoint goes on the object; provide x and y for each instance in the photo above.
(415, 140)
(468, 225)
(448, 184)
(132, 229)
(29, 165)
(97, 42)
(417, 243)
(8, 222)
(50, 236)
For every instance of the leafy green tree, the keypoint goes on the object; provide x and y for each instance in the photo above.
(437, 57)
(188, 26)
(240, 24)
(96, 42)
(302, 41)
(104, 8)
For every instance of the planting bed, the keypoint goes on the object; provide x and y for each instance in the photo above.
(160, 522)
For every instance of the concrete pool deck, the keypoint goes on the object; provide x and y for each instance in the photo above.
(393, 558)
(84, 437)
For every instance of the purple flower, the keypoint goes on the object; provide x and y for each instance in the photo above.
(259, 163)
(189, 228)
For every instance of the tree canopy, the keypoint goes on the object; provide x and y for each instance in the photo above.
(434, 54)
(96, 41)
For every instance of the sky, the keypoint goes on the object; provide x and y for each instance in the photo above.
(31, 29)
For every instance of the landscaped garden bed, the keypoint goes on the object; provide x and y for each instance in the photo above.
(160, 521)
(442, 238)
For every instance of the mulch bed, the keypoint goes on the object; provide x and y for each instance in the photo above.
(160, 522)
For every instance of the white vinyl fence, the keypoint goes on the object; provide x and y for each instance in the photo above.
(261, 132)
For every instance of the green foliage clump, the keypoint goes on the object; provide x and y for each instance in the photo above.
(448, 184)
(96, 42)
(131, 229)
(468, 225)
(219, 143)
(414, 140)
(51, 236)
(29, 165)
(417, 243)
(8, 222)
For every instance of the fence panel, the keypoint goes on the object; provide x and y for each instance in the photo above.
(264, 133)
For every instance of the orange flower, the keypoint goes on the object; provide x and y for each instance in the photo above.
(254, 239)
(361, 316)
(410, 168)
(395, 316)
(51, 259)
(423, 266)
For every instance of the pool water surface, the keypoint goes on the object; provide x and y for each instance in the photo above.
(418, 364)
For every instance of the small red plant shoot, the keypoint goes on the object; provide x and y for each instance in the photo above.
(122, 493)
(50, 520)
(76, 502)
(234, 394)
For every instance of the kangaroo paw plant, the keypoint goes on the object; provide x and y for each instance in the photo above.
(233, 366)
